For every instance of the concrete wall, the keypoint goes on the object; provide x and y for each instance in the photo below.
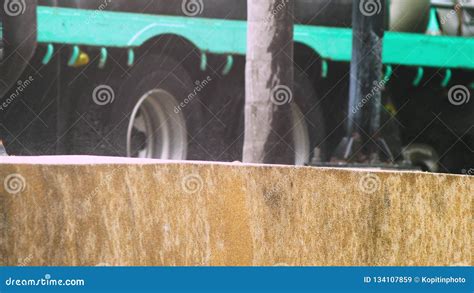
(68, 211)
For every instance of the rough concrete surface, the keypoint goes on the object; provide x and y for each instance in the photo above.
(105, 211)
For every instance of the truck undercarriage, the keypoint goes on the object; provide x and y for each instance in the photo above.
(173, 87)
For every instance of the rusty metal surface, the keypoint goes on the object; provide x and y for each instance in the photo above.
(90, 211)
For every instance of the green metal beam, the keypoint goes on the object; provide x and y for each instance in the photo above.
(128, 30)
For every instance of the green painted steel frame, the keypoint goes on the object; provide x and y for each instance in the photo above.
(128, 30)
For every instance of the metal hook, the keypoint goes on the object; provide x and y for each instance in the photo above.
(388, 73)
(418, 77)
(203, 61)
(324, 68)
(49, 54)
(74, 56)
(228, 65)
(131, 57)
(103, 58)
(447, 78)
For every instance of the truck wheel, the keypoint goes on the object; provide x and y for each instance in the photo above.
(309, 130)
(226, 142)
(151, 113)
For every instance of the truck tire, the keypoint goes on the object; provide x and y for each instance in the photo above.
(225, 129)
(153, 112)
(409, 15)
(451, 20)
(308, 120)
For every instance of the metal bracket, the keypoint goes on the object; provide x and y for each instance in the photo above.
(433, 26)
